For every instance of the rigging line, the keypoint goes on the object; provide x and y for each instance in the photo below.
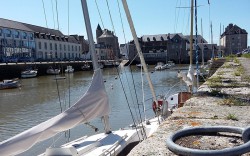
(57, 16)
(143, 95)
(58, 93)
(124, 36)
(178, 16)
(175, 16)
(130, 110)
(99, 14)
(127, 53)
(184, 19)
(53, 14)
(45, 15)
(110, 17)
(137, 99)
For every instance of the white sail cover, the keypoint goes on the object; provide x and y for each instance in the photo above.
(94, 103)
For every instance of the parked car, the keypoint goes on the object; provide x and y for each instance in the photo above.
(246, 51)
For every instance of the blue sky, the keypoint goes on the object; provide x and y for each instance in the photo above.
(149, 16)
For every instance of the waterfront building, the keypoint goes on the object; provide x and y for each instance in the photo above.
(16, 41)
(234, 39)
(107, 39)
(26, 42)
(171, 47)
(53, 45)
(209, 50)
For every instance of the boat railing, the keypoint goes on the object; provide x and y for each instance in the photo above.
(111, 150)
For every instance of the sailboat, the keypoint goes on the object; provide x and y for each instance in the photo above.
(93, 104)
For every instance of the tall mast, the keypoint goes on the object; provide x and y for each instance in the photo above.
(93, 53)
(190, 73)
(202, 50)
(125, 5)
(191, 32)
(196, 47)
(220, 42)
(212, 41)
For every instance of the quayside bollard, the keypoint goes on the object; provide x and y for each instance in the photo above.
(238, 150)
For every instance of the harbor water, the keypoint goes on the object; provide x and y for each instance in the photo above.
(43, 97)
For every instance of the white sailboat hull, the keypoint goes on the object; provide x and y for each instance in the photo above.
(103, 144)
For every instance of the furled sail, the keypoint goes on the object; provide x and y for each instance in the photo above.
(94, 103)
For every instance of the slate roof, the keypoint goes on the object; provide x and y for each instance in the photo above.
(159, 37)
(187, 37)
(5, 23)
(107, 33)
(44, 30)
(233, 29)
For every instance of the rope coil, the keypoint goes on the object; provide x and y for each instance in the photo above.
(177, 149)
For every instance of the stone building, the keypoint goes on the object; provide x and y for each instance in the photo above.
(164, 47)
(170, 47)
(234, 39)
(108, 40)
(208, 50)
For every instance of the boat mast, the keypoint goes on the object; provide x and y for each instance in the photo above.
(92, 50)
(196, 47)
(202, 50)
(191, 70)
(132, 28)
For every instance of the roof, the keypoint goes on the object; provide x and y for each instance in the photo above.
(159, 37)
(107, 33)
(44, 30)
(187, 37)
(13, 25)
(233, 29)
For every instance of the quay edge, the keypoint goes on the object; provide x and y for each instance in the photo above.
(207, 109)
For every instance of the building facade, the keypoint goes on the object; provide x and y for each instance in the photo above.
(108, 40)
(171, 47)
(234, 39)
(26, 42)
(16, 41)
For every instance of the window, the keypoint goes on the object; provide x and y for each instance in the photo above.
(8, 33)
(64, 47)
(0, 32)
(55, 46)
(72, 48)
(16, 34)
(24, 35)
(50, 46)
(75, 48)
(60, 46)
(68, 48)
(31, 36)
(39, 45)
(45, 45)
(79, 48)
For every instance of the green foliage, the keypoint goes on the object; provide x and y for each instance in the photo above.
(232, 117)
(246, 55)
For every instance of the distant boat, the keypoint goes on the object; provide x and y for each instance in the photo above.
(86, 67)
(69, 69)
(53, 71)
(8, 84)
(161, 66)
(28, 73)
